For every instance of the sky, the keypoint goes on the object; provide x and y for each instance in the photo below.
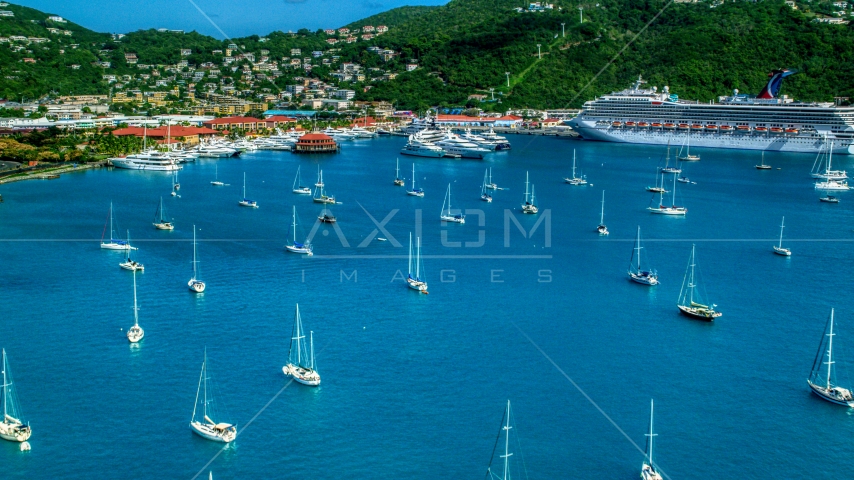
(236, 18)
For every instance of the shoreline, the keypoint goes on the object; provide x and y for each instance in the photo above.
(51, 173)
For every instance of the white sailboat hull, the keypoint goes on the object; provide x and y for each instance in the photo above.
(837, 395)
(643, 279)
(416, 285)
(116, 246)
(164, 226)
(196, 286)
(305, 376)
(15, 432)
(135, 334)
(132, 266)
(295, 249)
(207, 431)
(668, 210)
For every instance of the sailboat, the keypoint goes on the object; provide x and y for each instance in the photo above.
(113, 244)
(206, 427)
(129, 264)
(489, 184)
(667, 168)
(298, 188)
(245, 202)
(195, 285)
(161, 223)
(688, 157)
(484, 195)
(636, 272)
(505, 429)
(832, 179)
(135, 333)
(659, 185)
(415, 192)
(762, 165)
(326, 216)
(320, 195)
(415, 282)
(825, 385)
(648, 471)
(582, 180)
(11, 428)
(446, 215)
(301, 366)
(175, 184)
(397, 180)
(602, 229)
(672, 209)
(295, 246)
(216, 182)
(319, 182)
(828, 173)
(530, 205)
(778, 249)
(687, 294)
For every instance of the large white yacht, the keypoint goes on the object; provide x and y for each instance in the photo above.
(456, 145)
(420, 148)
(762, 122)
(147, 160)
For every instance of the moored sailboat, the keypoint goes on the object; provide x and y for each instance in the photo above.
(195, 284)
(415, 192)
(484, 195)
(688, 157)
(246, 202)
(778, 249)
(135, 333)
(648, 470)
(11, 427)
(415, 282)
(320, 195)
(576, 181)
(215, 182)
(297, 187)
(825, 386)
(446, 215)
(530, 205)
(636, 272)
(129, 264)
(160, 223)
(397, 180)
(113, 243)
(688, 294)
(602, 229)
(301, 366)
(505, 473)
(673, 209)
(762, 165)
(206, 427)
(296, 247)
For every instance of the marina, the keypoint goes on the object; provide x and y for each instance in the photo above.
(552, 292)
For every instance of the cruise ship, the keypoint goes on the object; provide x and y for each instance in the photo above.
(761, 122)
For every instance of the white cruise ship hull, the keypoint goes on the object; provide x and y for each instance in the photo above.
(733, 140)
(132, 164)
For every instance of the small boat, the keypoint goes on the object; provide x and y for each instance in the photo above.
(216, 182)
(484, 195)
(206, 427)
(113, 243)
(194, 284)
(576, 181)
(175, 185)
(530, 205)
(688, 293)
(135, 333)
(297, 186)
(688, 157)
(326, 216)
(602, 229)
(129, 264)
(648, 471)
(296, 247)
(667, 168)
(320, 195)
(829, 199)
(319, 182)
(160, 222)
(446, 215)
(825, 386)
(381, 239)
(659, 185)
(415, 282)
(301, 366)
(246, 202)
(397, 180)
(415, 192)
(661, 209)
(762, 165)
(778, 249)
(11, 428)
(636, 272)
(683, 180)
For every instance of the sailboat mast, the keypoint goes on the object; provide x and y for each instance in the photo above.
(205, 377)
(527, 182)
(299, 337)
(194, 252)
(413, 177)
(573, 163)
(5, 387)
(602, 216)
(418, 259)
(111, 221)
(244, 185)
(507, 453)
(781, 232)
(311, 343)
(410, 255)
(195, 405)
(651, 435)
(135, 308)
(691, 281)
(673, 196)
(829, 349)
(294, 225)
(638, 248)
(397, 169)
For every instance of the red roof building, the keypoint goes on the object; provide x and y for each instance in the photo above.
(316, 143)
(177, 133)
(235, 123)
(279, 121)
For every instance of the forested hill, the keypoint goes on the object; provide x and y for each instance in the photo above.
(701, 50)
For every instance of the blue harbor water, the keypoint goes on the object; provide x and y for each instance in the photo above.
(414, 386)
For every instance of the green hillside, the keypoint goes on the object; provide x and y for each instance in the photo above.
(701, 50)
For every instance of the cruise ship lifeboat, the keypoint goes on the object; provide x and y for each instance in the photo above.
(776, 130)
(684, 126)
(669, 125)
(643, 124)
(791, 130)
(630, 124)
(743, 128)
(761, 129)
(656, 125)
(616, 124)
(726, 128)
(712, 128)
(696, 126)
